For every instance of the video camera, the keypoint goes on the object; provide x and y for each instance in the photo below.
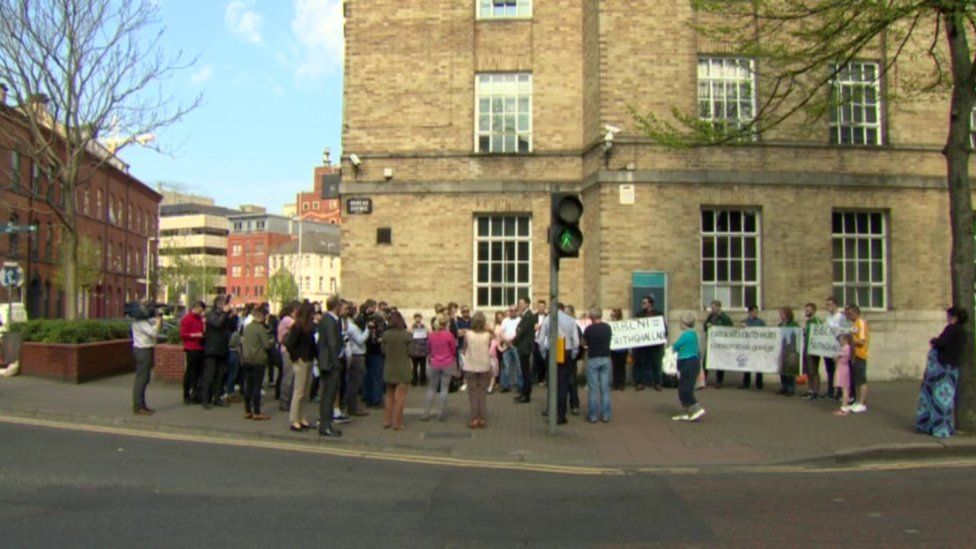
(144, 311)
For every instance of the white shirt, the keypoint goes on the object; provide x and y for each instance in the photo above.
(838, 320)
(509, 327)
(144, 334)
(357, 338)
(542, 333)
(569, 331)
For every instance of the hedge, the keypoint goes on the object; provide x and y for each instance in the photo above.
(71, 331)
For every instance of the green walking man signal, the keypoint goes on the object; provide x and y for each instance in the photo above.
(565, 236)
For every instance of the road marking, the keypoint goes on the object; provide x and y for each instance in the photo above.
(874, 466)
(320, 450)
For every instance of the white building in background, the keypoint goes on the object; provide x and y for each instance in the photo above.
(197, 232)
(316, 267)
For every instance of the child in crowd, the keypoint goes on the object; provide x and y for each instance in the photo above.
(843, 373)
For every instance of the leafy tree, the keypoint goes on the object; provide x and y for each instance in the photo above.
(87, 270)
(282, 287)
(186, 275)
(802, 45)
(85, 80)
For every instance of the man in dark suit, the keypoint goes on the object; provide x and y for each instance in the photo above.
(331, 353)
(524, 337)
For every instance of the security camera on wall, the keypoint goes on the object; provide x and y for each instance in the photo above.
(356, 161)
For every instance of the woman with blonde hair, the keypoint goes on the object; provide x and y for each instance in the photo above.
(477, 368)
(442, 353)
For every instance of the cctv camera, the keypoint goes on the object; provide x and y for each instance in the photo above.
(611, 129)
(356, 161)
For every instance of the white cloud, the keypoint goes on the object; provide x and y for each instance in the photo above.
(317, 27)
(203, 74)
(243, 21)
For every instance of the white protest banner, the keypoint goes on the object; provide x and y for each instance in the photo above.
(638, 332)
(744, 349)
(823, 340)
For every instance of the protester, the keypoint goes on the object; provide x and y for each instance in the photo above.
(647, 360)
(216, 348)
(838, 323)
(811, 363)
(842, 373)
(234, 358)
(860, 338)
(716, 318)
(331, 354)
(687, 350)
(752, 321)
(442, 347)
(144, 334)
(284, 386)
(300, 345)
(477, 368)
(524, 337)
(597, 337)
(191, 332)
(569, 332)
(789, 371)
(574, 399)
(418, 351)
(618, 358)
(511, 370)
(371, 317)
(539, 360)
(256, 342)
(396, 370)
(936, 400)
(357, 362)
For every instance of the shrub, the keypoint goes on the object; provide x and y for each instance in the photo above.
(71, 331)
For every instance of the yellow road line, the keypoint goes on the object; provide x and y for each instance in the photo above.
(320, 450)
(872, 466)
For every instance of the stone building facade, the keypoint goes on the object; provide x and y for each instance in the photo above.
(463, 115)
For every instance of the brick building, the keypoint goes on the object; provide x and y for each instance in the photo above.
(253, 234)
(486, 106)
(322, 204)
(115, 210)
(198, 233)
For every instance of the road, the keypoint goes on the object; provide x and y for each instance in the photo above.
(67, 488)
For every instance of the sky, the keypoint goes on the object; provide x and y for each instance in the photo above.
(270, 72)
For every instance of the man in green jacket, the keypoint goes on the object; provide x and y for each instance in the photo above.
(256, 342)
(716, 318)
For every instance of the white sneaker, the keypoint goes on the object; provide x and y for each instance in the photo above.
(680, 417)
(845, 408)
(464, 387)
(859, 408)
(699, 413)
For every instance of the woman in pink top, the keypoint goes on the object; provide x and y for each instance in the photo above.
(441, 349)
(843, 373)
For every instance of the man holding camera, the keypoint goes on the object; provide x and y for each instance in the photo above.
(216, 348)
(144, 333)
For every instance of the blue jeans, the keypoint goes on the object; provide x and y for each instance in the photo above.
(233, 366)
(373, 383)
(598, 385)
(511, 369)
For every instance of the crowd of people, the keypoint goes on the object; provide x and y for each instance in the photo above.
(351, 358)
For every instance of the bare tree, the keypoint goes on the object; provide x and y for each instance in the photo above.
(85, 80)
(800, 47)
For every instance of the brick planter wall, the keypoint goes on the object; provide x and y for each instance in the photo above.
(77, 363)
(169, 363)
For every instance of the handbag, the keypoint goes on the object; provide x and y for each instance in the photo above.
(669, 364)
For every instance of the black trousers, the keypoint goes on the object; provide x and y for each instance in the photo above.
(831, 368)
(419, 365)
(539, 363)
(330, 387)
(525, 364)
(562, 388)
(212, 380)
(747, 380)
(619, 362)
(253, 376)
(191, 375)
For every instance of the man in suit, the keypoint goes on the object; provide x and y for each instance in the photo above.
(331, 354)
(524, 337)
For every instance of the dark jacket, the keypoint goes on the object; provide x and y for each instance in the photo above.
(256, 342)
(525, 333)
(654, 312)
(216, 336)
(304, 345)
(949, 344)
(330, 343)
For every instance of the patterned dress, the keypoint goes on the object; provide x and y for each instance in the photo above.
(935, 414)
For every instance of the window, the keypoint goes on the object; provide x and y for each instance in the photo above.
(235, 250)
(98, 204)
(308, 284)
(13, 239)
(321, 284)
(33, 240)
(86, 202)
(259, 271)
(259, 248)
(726, 91)
(14, 169)
(111, 209)
(503, 107)
(260, 225)
(855, 118)
(238, 226)
(503, 259)
(259, 291)
(304, 206)
(860, 259)
(35, 179)
(315, 205)
(235, 271)
(730, 258)
(503, 9)
(49, 242)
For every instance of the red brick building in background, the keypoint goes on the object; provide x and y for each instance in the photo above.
(322, 204)
(115, 211)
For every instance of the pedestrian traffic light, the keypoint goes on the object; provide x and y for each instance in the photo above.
(565, 235)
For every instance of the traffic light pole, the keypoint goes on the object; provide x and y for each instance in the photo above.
(553, 385)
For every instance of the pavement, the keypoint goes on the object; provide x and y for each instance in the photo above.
(742, 428)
